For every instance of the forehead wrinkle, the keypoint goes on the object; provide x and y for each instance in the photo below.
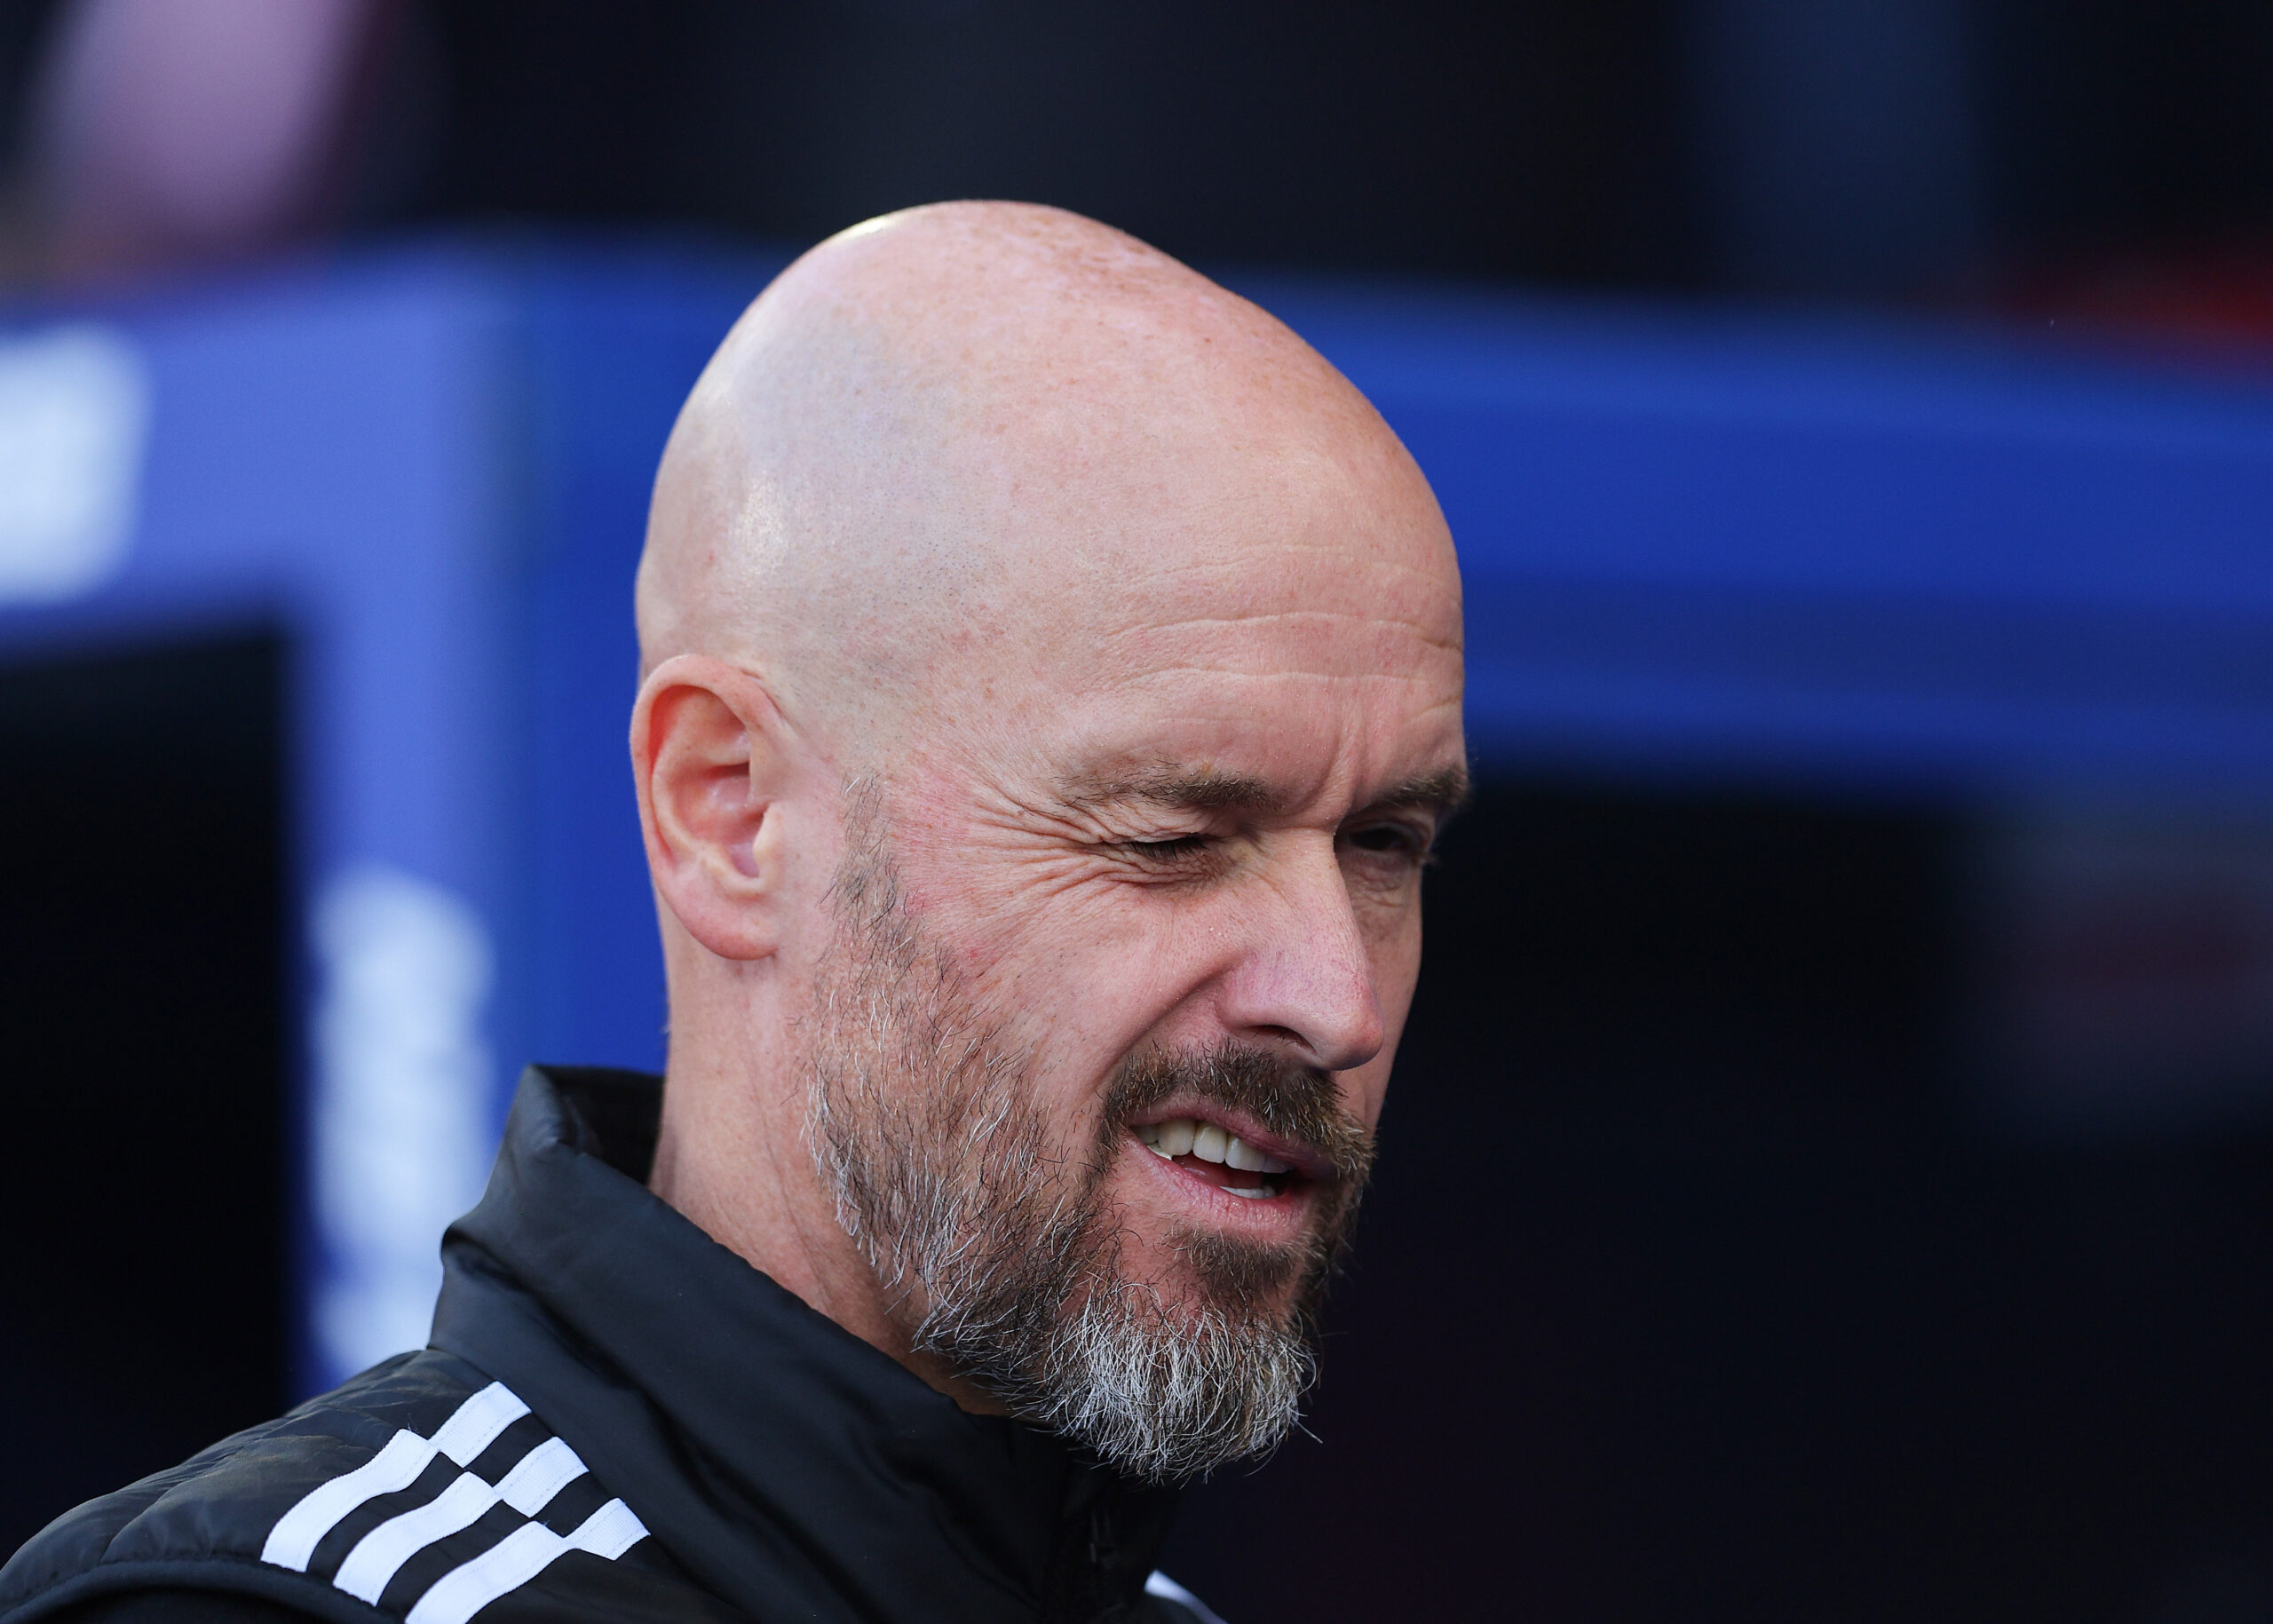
(1337, 546)
(1407, 679)
(1227, 561)
(1240, 622)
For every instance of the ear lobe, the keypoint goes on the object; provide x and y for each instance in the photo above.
(709, 754)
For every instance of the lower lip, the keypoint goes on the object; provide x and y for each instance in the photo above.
(1272, 1209)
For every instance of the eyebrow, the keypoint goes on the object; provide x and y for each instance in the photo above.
(1203, 789)
(1444, 792)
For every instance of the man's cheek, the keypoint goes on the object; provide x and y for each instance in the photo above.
(1016, 941)
(1097, 987)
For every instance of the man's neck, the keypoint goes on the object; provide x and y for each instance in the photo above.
(773, 1213)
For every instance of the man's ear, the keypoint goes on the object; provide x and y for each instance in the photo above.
(712, 757)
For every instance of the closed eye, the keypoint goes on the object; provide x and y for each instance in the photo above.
(1167, 850)
(1390, 840)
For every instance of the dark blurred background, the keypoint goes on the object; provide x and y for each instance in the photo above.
(2106, 156)
(1732, 1257)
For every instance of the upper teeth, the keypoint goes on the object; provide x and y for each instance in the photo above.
(1186, 1135)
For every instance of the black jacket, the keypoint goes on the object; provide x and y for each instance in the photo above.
(616, 1419)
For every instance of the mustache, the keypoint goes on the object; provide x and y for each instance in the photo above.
(1296, 1101)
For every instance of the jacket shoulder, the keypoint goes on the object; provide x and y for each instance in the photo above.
(420, 1492)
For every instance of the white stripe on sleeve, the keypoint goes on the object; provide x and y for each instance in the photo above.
(520, 1556)
(380, 1553)
(528, 1488)
(543, 1472)
(473, 1427)
(478, 1422)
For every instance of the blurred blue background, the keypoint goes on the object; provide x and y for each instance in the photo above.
(1831, 1171)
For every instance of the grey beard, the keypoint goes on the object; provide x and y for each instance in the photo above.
(924, 1128)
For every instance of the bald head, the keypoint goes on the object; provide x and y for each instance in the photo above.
(978, 425)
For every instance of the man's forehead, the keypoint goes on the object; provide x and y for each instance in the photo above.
(1264, 707)
(1354, 601)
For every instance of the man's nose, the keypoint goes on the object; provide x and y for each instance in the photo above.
(1303, 977)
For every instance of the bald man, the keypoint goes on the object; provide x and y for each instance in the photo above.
(1052, 690)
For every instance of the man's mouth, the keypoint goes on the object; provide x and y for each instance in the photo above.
(1217, 1155)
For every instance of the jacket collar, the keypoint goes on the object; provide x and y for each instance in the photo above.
(793, 1468)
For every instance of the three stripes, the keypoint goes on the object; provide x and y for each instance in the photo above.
(455, 1597)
